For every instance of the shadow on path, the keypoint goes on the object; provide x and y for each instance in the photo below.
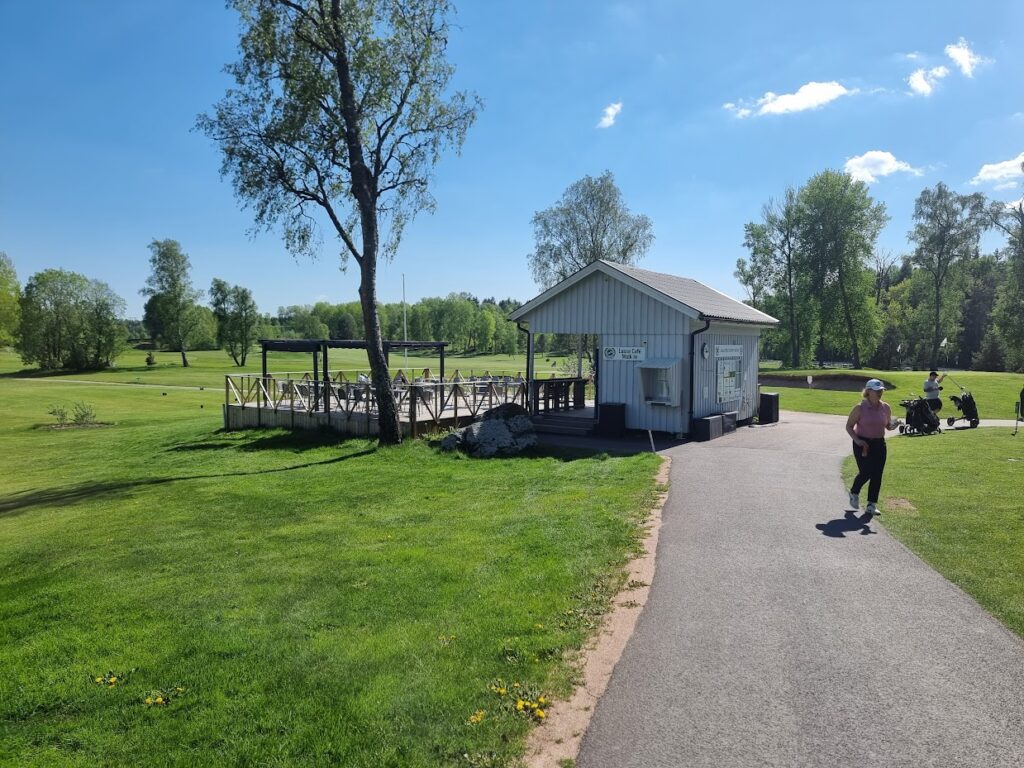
(849, 523)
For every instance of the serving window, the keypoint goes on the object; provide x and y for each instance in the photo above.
(660, 381)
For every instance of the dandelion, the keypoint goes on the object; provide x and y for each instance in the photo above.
(541, 714)
(149, 701)
(113, 681)
(519, 705)
(99, 679)
(477, 716)
(159, 699)
(542, 700)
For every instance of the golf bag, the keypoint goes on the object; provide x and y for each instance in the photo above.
(967, 407)
(921, 419)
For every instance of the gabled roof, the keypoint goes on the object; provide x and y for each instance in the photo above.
(682, 293)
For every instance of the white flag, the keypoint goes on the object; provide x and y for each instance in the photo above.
(944, 342)
(899, 348)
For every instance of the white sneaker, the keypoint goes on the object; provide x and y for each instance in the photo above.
(872, 509)
(854, 500)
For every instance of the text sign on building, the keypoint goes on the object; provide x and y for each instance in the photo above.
(624, 353)
(728, 350)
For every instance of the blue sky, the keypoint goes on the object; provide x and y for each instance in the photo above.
(720, 107)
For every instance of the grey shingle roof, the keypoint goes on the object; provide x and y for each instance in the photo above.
(710, 303)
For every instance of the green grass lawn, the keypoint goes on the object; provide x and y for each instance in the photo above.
(964, 513)
(995, 393)
(293, 600)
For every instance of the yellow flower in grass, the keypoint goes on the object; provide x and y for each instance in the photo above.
(477, 716)
(112, 681)
(542, 700)
(519, 705)
(149, 701)
(159, 699)
(99, 679)
(541, 714)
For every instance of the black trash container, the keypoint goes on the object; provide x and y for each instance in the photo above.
(611, 419)
(768, 408)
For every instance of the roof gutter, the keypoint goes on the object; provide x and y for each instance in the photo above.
(693, 361)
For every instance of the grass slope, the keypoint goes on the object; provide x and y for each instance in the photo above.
(995, 393)
(954, 499)
(316, 602)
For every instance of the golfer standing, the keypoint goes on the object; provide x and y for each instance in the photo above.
(867, 424)
(932, 389)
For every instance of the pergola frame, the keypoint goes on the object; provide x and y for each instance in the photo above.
(320, 346)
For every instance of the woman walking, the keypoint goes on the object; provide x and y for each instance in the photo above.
(867, 424)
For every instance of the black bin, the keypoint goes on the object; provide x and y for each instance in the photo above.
(707, 428)
(611, 421)
(768, 408)
(729, 422)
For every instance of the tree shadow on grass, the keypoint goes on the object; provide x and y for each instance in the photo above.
(59, 497)
(849, 523)
(295, 442)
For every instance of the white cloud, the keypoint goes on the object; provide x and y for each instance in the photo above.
(1008, 170)
(922, 81)
(1016, 203)
(1006, 185)
(876, 163)
(809, 96)
(610, 113)
(740, 112)
(963, 57)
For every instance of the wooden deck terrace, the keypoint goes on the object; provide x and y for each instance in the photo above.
(350, 407)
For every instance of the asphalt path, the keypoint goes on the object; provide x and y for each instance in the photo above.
(782, 632)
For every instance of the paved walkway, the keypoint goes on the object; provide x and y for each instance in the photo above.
(780, 633)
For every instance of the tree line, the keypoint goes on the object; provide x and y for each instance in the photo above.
(815, 264)
(64, 320)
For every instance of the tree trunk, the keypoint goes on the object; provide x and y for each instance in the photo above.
(849, 321)
(390, 431)
(184, 359)
(794, 331)
(938, 324)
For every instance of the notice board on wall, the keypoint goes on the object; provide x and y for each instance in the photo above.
(729, 380)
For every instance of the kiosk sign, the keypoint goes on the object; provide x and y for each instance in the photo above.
(624, 353)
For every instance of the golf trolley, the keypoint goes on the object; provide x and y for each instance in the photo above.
(1018, 413)
(967, 407)
(921, 419)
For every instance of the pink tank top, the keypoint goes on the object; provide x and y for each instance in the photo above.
(873, 419)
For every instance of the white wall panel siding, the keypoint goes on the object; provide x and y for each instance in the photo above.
(620, 380)
(600, 304)
(705, 394)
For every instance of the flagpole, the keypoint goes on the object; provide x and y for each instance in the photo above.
(405, 326)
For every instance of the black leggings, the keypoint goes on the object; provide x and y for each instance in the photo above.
(870, 467)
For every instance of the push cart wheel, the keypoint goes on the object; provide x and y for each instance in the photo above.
(974, 423)
(902, 429)
(950, 421)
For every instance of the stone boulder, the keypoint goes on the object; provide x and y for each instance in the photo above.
(502, 431)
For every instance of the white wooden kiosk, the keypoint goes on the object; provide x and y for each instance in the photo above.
(670, 349)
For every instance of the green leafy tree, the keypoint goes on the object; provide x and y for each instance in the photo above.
(839, 226)
(10, 296)
(1008, 314)
(775, 267)
(947, 230)
(238, 319)
(590, 222)
(171, 314)
(342, 107)
(69, 321)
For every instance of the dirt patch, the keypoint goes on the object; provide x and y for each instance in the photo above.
(91, 425)
(901, 505)
(558, 741)
(840, 382)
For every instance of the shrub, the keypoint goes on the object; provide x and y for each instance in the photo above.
(84, 413)
(60, 413)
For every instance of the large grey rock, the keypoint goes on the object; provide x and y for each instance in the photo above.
(502, 431)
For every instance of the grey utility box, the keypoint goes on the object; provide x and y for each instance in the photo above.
(768, 408)
(728, 422)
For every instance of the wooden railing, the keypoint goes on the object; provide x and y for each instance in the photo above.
(426, 405)
(558, 394)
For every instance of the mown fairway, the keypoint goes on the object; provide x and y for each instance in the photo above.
(995, 393)
(955, 499)
(315, 602)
